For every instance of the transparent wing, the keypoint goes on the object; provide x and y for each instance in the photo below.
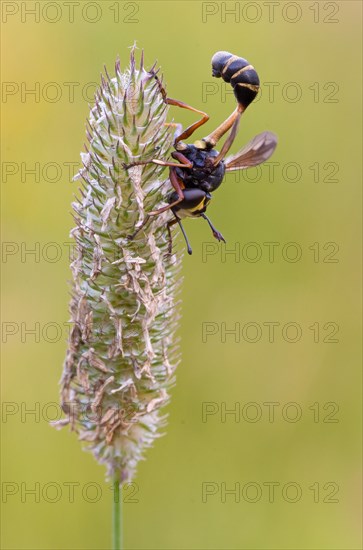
(257, 151)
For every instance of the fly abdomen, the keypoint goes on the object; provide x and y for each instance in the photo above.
(239, 73)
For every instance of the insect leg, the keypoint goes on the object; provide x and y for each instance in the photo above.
(219, 132)
(133, 235)
(228, 143)
(216, 233)
(168, 226)
(175, 154)
(178, 220)
(191, 129)
(177, 184)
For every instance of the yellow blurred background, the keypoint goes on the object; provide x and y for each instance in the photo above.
(248, 480)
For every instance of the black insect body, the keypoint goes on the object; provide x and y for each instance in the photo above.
(204, 174)
(200, 169)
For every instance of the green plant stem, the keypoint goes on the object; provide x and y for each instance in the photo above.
(117, 515)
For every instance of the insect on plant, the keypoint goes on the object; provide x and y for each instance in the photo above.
(200, 168)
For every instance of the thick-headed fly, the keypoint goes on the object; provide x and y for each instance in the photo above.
(200, 169)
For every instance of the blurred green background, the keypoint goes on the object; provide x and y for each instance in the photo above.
(312, 49)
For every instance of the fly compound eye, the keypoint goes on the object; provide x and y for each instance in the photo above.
(218, 62)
